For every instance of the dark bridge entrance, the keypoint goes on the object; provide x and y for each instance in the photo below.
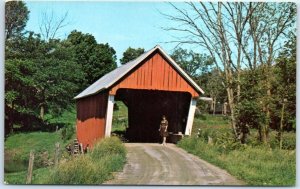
(145, 109)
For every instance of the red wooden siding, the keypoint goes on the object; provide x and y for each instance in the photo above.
(155, 74)
(91, 113)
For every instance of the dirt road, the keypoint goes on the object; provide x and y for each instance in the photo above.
(153, 164)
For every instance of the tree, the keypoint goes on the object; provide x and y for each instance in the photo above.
(130, 54)
(236, 34)
(16, 17)
(249, 111)
(218, 28)
(267, 28)
(56, 79)
(51, 25)
(20, 103)
(284, 88)
(25, 47)
(200, 67)
(214, 86)
(43, 81)
(96, 59)
(192, 63)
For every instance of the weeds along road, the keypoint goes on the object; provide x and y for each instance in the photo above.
(153, 164)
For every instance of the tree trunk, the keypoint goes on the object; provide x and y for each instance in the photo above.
(260, 133)
(214, 106)
(42, 112)
(268, 111)
(225, 108)
(238, 85)
(232, 110)
(281, 125)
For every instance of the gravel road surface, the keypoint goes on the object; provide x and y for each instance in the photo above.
(154, 164)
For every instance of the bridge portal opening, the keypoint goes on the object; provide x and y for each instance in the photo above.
(145, 109)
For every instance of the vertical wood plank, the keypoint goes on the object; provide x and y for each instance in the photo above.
(151, 71)
(158, 72)
(30, 168)
(56, 157)
(147, 82)
(174, 79)
(155, 70)
(170, 77)
(143, 75)
(164, 73)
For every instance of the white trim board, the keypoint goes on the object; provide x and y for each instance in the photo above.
(190, 120)
(109, 115)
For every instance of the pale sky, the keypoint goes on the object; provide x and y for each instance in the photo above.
(120, 24)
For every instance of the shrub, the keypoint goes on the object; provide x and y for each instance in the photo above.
(289, 141)
(107, 156)
(67, 132)
(108, 146)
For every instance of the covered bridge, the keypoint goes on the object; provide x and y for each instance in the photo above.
(150, 86)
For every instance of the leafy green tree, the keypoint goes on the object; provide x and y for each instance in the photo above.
(130, 54)
(20, 99)
(16, 17)
(251, 109)
(193, 63)
(40, 77)
(96, 59)
(249, 112)
(214, 87)
(284, 89)
(56, 79)
(25, 47)
(200, 68)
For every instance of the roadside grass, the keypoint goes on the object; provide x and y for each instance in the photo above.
(95, 167)
(17, 148)
(256, 164)
(38, 176)
(16, 155)
(107, 156)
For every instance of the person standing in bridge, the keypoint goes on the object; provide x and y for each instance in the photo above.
(163, 130)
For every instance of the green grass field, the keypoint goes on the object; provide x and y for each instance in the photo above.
(17, 149)
(253, 163)
(19, 145)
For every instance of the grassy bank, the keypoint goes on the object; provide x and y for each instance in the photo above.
(107, 156)
(16, 155)
(18, 147)
(39, 176)
(95, 167)
(254, 163)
